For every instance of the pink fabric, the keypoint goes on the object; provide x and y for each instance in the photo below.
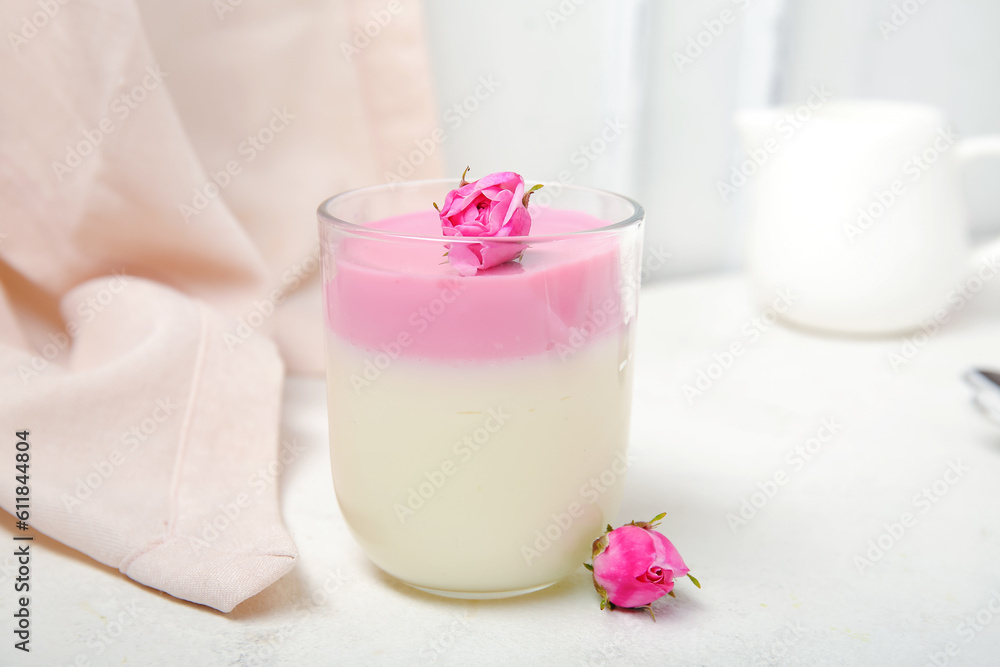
(160, 165)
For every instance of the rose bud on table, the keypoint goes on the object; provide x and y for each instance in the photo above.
(635, 565)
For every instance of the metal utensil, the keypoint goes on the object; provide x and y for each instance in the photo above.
(987, 387)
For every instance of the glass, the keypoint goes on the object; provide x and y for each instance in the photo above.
(479, 425)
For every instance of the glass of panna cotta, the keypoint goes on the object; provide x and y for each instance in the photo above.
(479, 425)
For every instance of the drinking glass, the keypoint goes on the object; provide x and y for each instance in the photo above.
(479, 425)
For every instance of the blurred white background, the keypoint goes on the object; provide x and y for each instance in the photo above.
(536, 83)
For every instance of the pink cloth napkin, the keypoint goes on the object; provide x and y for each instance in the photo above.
(160, 165)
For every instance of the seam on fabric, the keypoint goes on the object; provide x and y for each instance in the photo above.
(175, 480)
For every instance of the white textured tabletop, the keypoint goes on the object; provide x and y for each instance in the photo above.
(839, 500)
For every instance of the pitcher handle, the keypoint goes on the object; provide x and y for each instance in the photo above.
(986, 254)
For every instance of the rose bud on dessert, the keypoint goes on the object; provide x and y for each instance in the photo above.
(495, 205)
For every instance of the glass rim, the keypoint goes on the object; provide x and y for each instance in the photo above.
(325, 217)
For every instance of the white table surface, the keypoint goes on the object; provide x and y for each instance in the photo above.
(783, 589)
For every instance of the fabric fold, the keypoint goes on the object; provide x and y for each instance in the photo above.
(160, 167)
(150, 448)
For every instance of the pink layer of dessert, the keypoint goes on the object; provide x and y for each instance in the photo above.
(402, 297)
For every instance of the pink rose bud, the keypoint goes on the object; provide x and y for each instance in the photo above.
(497, 206)
(635, 565)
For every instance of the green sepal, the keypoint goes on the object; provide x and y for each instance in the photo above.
(589, 566)
(605, 602)
(600, 544)
(694, 581)
(527, 195)
(647, 525)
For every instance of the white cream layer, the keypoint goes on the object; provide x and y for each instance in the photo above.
(480, 476)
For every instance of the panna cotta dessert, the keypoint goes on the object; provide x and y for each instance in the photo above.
(479, 423)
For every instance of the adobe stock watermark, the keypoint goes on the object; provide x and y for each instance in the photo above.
(120, 109)
(588, 152)
(463, 450)
(302, 607)
(259, 481)
(912, 170)
(264, 308)
(562, 12)
(900, 15)
(162, 411)
(363, 34)
(453, 117)
(970, 628)
(582, 158)
(606, 656)
(115, 625)
(224, 7)
(751, 330)
(796, 459)
(251, 147)
(787, 637)
(597, 320)
(712, 30)
(31, 24)
(445, 638)
(922, 502)
(606, 317)
(653, 263)
(420, 320)
(86, 312)
(911, 345)
(588, 494)
(784, 129)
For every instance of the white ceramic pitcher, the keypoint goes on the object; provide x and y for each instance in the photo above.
(855, 206)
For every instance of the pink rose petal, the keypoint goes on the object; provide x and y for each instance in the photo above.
(638, 566)
(492, 206)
